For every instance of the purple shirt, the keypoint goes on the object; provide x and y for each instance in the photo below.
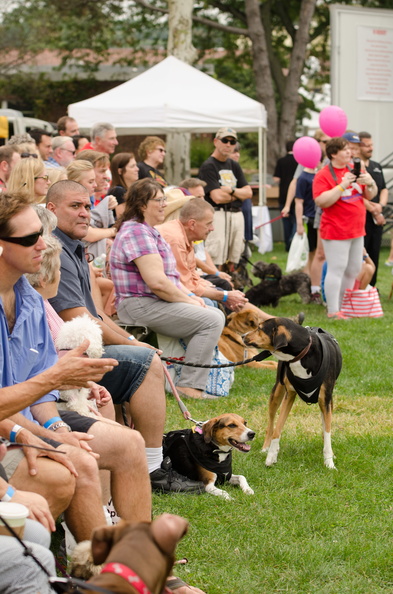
(133, 241)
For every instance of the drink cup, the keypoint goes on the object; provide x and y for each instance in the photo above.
(15, 515)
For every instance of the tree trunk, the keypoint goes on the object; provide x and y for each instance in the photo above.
(177, 165)
(263, 78)
(290, 99)
(281, 127)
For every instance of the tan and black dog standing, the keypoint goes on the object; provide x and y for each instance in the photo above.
(309, 364)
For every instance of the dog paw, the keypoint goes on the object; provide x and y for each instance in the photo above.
(248, 491)
(330, 464)
(271, 459)
(264, 450)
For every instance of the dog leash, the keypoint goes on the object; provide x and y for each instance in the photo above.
(267, 222)
(186, 414)
(259, 357)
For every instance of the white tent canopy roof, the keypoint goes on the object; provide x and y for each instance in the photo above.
(171, 97)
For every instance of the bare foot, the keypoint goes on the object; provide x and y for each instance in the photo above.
(190, 392)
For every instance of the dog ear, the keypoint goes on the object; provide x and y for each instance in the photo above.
(208, 429)
(280, 339)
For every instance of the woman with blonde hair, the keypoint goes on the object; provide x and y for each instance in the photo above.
(29, 177)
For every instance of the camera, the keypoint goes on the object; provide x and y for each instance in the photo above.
(356, 167)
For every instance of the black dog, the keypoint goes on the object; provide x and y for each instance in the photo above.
(309, 364)
(239, 273)
(275, 285)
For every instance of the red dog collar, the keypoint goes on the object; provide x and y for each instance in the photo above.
(126, 573)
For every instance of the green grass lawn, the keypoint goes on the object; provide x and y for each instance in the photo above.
(307, 529)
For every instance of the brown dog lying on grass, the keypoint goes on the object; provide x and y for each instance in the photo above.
(231, 344)
(138, 557)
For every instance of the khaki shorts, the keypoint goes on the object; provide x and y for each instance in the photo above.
(226, 241)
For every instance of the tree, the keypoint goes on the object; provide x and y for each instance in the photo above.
(179, 45)
(277, 68)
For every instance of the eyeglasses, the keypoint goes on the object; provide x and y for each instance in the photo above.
(27, 155)
(231, 141)
(26, 240)
(44, 177)
(161, 150)
(160, 200)
(68, 151)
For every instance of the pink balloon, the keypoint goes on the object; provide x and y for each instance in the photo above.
(333, 121)
(307, 152)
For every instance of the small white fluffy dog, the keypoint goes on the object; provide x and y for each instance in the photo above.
(71, 335)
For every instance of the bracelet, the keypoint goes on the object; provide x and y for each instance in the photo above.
(14, 432)
(225, 296)
(131, 337)
(51, 422)
(341, 188)
(8, 494)
(190, 294)
(57, 426)
(217, 273)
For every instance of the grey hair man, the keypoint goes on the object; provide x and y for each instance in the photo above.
(63, 152)
(103, 138)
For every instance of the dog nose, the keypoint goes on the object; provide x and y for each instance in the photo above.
(251, 434)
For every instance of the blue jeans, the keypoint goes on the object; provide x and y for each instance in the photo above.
(124, 380)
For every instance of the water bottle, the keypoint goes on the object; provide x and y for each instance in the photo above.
(99, 262)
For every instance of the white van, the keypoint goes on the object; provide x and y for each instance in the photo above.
(19, 124)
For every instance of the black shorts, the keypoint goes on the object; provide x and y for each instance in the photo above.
(312, 235)
(76, 421)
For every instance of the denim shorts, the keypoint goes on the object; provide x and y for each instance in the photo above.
(124, 380)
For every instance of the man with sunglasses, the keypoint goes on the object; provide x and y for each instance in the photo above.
(63, 152)
(226, 189)
(30, 373)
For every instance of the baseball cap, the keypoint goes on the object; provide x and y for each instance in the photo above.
(352, 137)
(224, 132)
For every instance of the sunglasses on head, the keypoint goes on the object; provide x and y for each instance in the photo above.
(27, 155)
(26, 240)
(231, 141)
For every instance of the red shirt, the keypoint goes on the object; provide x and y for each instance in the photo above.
(345, 219)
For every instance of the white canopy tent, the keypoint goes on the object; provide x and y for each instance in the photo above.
(174, 97)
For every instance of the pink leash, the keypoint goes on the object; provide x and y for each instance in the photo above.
(181, 404)
(271, 221)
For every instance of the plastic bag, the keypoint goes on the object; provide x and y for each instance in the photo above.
(298, 253)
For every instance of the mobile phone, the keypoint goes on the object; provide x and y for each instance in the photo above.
(356, 167)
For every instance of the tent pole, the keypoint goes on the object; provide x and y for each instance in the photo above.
(262, 166)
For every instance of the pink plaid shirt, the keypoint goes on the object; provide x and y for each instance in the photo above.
(133, 241)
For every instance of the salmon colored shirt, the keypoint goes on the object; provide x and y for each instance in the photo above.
(174, 234)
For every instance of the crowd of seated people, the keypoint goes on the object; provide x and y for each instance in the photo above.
(63, 201)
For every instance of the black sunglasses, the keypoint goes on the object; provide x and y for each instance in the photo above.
(27, 240)
(27, 155)
(231, 141)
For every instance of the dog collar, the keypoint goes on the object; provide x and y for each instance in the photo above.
(303, 352)
(128, 574)
(197, 429)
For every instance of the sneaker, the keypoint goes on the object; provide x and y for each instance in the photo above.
(167, 480)
(338, 315)
(389, 263)
(316, 298)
